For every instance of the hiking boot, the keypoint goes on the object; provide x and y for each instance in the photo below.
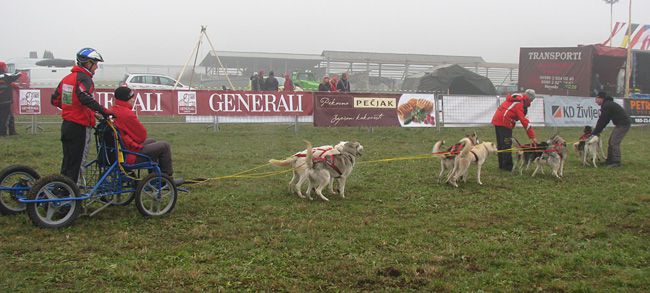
(613, 165)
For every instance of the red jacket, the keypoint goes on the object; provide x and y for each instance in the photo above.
(512, 110)
(132, 131)
(74, 96)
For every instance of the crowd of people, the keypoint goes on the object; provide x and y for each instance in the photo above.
(259, 83)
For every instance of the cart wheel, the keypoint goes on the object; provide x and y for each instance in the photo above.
(155, 195)
(56, 214)
(18, 177)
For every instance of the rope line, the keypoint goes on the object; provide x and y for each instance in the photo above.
(246, 173)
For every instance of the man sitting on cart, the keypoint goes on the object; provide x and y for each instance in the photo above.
(134, 135)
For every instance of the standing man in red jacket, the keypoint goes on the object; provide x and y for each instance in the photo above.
(74, 96)
(514, 108)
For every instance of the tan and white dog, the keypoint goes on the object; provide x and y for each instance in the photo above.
(593, 149)
(477, 155)
(447, 160)
(322, 172)
(557, 144)
(298, 163)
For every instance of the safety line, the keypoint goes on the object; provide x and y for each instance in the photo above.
(246, 173)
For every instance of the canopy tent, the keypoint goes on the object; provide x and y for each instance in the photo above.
(452, 79)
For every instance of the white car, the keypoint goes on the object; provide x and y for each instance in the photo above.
(152, 81)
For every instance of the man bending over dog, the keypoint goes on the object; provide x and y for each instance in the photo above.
(610, 110)
(134, 135)
(514, 108)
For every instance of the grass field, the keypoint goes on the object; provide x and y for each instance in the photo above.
(397, 230)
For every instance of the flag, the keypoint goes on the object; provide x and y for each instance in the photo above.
(646, 44)
(626, 39)
(638, 35)
(617, 28)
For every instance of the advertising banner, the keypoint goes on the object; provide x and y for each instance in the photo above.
(556, 71)
(570, 111)
(367, 109)
(29, 102)
(200, 102)
(639, 110)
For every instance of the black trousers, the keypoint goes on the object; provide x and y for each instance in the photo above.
(5, 113)
(74, 139)
(504, 141)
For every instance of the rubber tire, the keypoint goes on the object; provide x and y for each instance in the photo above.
(32, 208)
(139, 195)
(6, 172)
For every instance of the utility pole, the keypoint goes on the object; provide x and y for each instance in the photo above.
(611, 17)
(628, 69)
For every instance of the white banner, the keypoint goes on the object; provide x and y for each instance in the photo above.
(572, 111)
(29, 102)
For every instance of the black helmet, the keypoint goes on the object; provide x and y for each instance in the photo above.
(89, 54)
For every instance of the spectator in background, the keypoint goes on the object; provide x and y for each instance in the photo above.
(255, 82)
(7, 87)
(271, 83)
(324, 86)
(333, 82)
(620, 82)
(596, 85)
(611, 111)
(260, 79)
(344, 84)
(514, 108)
(288, 83)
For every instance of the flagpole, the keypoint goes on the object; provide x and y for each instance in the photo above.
(628, 67)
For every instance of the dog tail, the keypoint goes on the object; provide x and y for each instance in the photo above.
(516, 141)
(436, 147)
(282, 163)
(309, 156)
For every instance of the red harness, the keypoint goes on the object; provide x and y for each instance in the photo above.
(322, 157)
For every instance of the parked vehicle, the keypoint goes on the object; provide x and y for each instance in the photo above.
(152, 81)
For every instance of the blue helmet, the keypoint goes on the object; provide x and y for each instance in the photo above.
(88, 54)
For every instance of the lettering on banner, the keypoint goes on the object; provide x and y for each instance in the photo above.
(256, 103)
(564, 56)
(388, 103)
(142, 102)
(337, 119)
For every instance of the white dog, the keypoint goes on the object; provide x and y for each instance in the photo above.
(322, 172)
(447, 160)
(298, 163)
(594, 150)
(477, 155)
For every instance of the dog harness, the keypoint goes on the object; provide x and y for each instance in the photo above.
(323, 156)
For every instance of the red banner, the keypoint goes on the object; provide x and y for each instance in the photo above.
(556, 71)
(200, 102)
(368, 109)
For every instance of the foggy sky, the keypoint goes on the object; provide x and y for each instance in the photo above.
(164, 32)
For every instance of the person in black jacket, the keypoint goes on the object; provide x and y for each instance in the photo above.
(344, 84)
(610, 110)
(7, 80)
(271, 83)
(324, 86)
